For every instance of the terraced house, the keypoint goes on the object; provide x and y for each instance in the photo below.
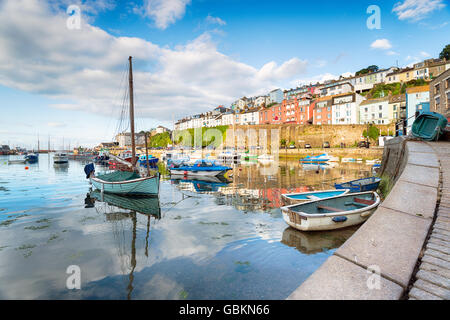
(345, 108)
(375, 111)
(322, 111)
(397, 107)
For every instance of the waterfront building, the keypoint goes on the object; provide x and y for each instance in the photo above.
(415, 99)
(124, 139)
(440, 94)
(161, 129)
(305, 111)
(345, 108)
(276, 96)
(249, 116)
(397, 107)
(322, 112)
(375, 111)
(271, 115)
(366, 82)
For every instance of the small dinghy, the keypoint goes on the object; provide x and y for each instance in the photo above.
(429, 126)
(360, 185)
(332, 213)
(291, 198)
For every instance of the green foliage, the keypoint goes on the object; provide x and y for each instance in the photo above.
(383, 90)
(209, 136)
(160, 140)
(283, 142)
(369, 69)
(271, 104)
(445, 53)
(374, 132)
(385, 186)
(292, 143)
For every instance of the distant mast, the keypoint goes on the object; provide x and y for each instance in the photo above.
(133, 143)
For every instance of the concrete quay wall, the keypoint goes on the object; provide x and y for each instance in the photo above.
(381, 258)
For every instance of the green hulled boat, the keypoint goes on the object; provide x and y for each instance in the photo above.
(429, 126)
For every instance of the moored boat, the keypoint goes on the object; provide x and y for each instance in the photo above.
(291, 198)
(322, 158)
(265, 159)
(331, 213)
(360, 185)
(60, 157)
(152, 161)
(429, 126)
(32, 158)
(199, 168)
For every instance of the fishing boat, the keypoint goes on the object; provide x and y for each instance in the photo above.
(331, 213)
(291, 198)
(360, 185)
(126, 182)
(348, 160)
(199, 168)
(429, 126)
(152, 161)
(32, 158)
(60, 157)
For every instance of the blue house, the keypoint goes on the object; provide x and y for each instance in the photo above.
(417, 99)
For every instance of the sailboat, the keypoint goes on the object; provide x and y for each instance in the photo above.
(126, 182)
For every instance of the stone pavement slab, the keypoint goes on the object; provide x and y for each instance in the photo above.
(391, 240)
(421, 175)
(422, 295)
(417, 200)
(433, 289)
(339, 279)
(423, 159)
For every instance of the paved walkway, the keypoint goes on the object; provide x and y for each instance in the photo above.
(433, 277)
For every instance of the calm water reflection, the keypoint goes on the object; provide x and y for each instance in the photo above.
(215, 239)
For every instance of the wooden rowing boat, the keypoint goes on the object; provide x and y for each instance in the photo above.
(332, 213)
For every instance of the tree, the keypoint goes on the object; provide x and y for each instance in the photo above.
(369, 69)
(445, 54)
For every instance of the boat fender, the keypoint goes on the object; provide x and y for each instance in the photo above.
(340, 219)
(88, 169)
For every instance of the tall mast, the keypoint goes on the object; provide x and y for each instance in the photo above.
(133, 143)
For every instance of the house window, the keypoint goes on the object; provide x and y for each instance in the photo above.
(380, 107)
(438, 102)
(436, 89)
(380, 115)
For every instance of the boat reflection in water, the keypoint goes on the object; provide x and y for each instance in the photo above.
(117, 209)
(314, 242)
(203, 184)
(61, 167)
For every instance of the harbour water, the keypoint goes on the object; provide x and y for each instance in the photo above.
(200, 240)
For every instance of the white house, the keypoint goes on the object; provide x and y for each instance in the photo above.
(249, 117)
(345, 108)
(375, 111)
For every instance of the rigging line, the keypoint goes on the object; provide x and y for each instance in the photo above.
(116, 98)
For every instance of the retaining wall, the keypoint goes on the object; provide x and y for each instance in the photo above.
(390, 241)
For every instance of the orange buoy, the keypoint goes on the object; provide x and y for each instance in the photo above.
(26, 168)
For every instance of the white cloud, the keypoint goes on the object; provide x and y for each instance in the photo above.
(425, 54)
(83, 69)
(165, 12)
(382, 44)
(315, 79)
(416, 10)
(215, 20)
(56, 124)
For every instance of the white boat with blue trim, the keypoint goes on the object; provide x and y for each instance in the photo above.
(331, 213)
(292, 198)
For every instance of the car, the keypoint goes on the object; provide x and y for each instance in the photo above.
(326, 144)
(307, 146)
(363, 144)
(292, 146)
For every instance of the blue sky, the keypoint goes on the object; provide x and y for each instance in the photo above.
(190, 56)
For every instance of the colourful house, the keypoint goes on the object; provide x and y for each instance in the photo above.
(417, 100)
